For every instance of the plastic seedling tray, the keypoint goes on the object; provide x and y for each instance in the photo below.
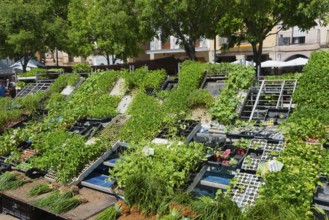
(252, 165)
(169, 84)
(86, 127)
(184, 128)
(100, 120)
(228, 156)
(258, 144)
(214, 84)
(277, 115)
(151, 92)
(124, 103)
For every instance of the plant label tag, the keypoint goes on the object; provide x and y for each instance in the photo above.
(68, 90)
(147, 151)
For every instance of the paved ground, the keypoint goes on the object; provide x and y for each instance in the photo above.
(7, 217)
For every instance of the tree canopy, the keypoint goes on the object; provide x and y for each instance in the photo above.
(118, 27)
(254, 20)
(187, 20)
(30, 27)
(104, 27)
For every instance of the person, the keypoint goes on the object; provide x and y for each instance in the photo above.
(2, 90)
(11, 88)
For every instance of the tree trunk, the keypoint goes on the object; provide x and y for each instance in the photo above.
(24, 63)
(257, 55)
(114, 59)
(108, 59)
(189, 47)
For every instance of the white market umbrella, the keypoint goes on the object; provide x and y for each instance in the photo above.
(296, 62)
(272, 63)
(19, 66)
(247, 63)
(31, 64)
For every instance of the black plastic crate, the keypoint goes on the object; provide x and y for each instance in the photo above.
(226, 154)
(214, 83)
(100, 120)
(183, 129)
(169, 84)
(86, 127)
(17, 208)
(277, 115)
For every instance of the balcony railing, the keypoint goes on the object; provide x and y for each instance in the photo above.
(172, 43)
(291, 37)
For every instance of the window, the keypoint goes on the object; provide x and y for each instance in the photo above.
(283, 41)
(298, 40)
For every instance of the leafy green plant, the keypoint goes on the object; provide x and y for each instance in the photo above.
(135, 78)
(64, 153)
(313, 88)
(103, 106)
(81, 68)
(242, 143)
(200, 98)
(55, 101)
(171, 163)
(238, 78)
(64, 80)
(284, 76)
(11, 139)
(146, 119)
(148, 180)
(222, 68)
(20, 84)
(31, 102)
(7, 116)
(144, 79)
(190, 78)
(154, 79)
(33, 72)
(56, 70)
(305, 123)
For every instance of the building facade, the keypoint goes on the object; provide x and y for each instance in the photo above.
(172, 48)
(283, 45)
(280, 45)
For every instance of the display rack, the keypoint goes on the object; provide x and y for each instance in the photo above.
(270, 94)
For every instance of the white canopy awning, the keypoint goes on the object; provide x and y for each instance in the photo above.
(296, 62)
(31, 64)
(247, 63)
(271, 63)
